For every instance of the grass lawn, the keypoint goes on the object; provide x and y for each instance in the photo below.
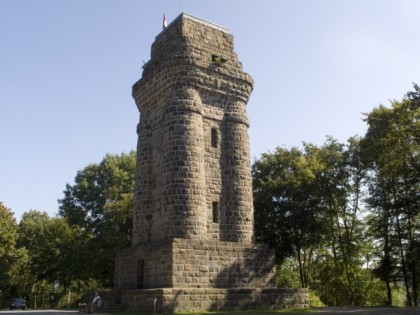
(245, 312)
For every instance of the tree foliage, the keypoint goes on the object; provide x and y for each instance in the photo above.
(348, 213)
(53, 246)
(307, 203)
(100, 203)
(392, 153)
(8, 235)
(286, 195)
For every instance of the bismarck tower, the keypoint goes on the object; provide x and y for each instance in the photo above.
(193, 232)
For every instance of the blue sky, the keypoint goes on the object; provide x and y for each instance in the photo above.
(67, 67)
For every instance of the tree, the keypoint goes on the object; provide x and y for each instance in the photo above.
(8, 235)
(307, 205)
(55, 252)
(100, 203)
(340, 185)
(392, 151)
(287, 205)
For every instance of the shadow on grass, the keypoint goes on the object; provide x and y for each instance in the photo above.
(239, 312)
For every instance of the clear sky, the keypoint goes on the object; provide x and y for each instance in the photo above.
(67, 67)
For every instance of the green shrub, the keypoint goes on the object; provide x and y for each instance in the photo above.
(314, 300)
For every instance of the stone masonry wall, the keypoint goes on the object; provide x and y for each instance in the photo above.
(177, 300)
(144, 267)
(185, 263)
(205, 264)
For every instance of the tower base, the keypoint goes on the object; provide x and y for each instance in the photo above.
(169, 300)
(187, 263)
(191, 275)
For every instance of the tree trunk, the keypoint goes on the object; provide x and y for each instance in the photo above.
(403, 263)
(388, 271)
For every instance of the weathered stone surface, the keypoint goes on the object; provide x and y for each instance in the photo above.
(193, 237)
(190, 299)
(193, 148)
(186, 263)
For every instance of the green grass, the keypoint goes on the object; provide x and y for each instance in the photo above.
(250, 312)
(245, 312)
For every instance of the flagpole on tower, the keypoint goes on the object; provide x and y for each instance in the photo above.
(179, 6)
(164, 22)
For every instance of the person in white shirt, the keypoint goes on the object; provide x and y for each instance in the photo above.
(96, 302)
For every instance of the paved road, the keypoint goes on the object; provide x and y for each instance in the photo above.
(368, 311)
(321, 311)
(38, 312)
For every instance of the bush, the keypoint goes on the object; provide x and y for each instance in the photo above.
(314, 300)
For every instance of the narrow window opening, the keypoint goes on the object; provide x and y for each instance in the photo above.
(140, 274)
(215, 207)
(214, 140)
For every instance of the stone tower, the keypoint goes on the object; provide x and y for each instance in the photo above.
(193, 219)
(193, 175)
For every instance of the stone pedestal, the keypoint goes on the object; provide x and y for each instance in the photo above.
(212, 299)
(202, 275)
(184, 263)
